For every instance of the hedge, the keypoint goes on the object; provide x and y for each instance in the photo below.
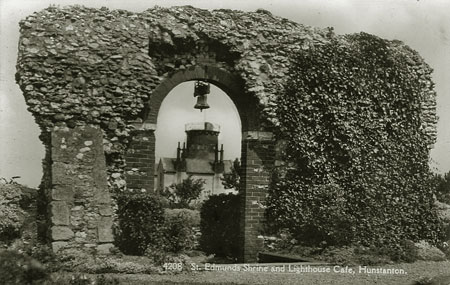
(141, 220)
(219, 225)
(179, 234)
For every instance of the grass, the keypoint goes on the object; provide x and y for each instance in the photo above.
(419, 271)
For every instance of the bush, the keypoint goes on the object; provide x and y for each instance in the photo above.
(17, 268)
(192, 217)
(41, 252)
(141, 220)
(219, 224)
(427, 252)
(179, 234)
(184, 193)
(145, 228)
(232, 179)
(356, 146)
(12, 216)
(405, 251)
(362, 255)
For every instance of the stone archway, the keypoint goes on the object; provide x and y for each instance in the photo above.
(94, 80)
(257, 152)
(95, 83)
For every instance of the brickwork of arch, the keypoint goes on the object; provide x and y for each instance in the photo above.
(257, 148)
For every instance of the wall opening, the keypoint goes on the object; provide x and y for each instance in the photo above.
(247, 133)
(176, 113)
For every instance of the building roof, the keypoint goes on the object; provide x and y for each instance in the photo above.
(167, 164)
(200, 166)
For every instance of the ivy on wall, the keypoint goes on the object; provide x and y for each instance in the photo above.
(352, 115)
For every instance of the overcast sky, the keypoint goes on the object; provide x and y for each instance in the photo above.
(424, 25)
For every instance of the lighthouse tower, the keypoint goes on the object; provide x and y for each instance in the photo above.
(200, 156)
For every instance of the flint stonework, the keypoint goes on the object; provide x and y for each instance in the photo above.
(95, 79)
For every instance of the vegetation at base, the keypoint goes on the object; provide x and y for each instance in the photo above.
(17, 268)
(183, 194)
(357, 152)
(141, 219)
(219, 224)
(146, 228)
(16, 204)
(353, 254)
(12, 215)
(178, 229)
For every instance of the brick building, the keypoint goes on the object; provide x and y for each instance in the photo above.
(200, 156)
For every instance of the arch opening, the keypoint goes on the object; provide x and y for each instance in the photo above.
(177, 120)
(256, 146)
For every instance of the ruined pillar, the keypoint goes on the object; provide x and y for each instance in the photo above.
(79, 200)
(140, 159)
(257, 162)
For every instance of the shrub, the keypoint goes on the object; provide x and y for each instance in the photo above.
(192, 217)
(160, 257)
(232, 180)
(18, 268)
(219, 224)
(72, 260)
(182, 194)
(405, 251)
(427, 252)
(141, 220)
(353, 124)
(179, 234)
(145, 228)
(12, 216)
(41, 252)
(362, 255)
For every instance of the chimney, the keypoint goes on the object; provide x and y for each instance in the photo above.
(183, 154)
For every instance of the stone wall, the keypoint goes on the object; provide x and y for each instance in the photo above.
(101, 66)
(80, 204)
(95, 79)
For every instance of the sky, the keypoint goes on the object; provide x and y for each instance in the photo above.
(422, 24)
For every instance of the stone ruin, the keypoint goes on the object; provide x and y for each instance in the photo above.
(94, 79)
